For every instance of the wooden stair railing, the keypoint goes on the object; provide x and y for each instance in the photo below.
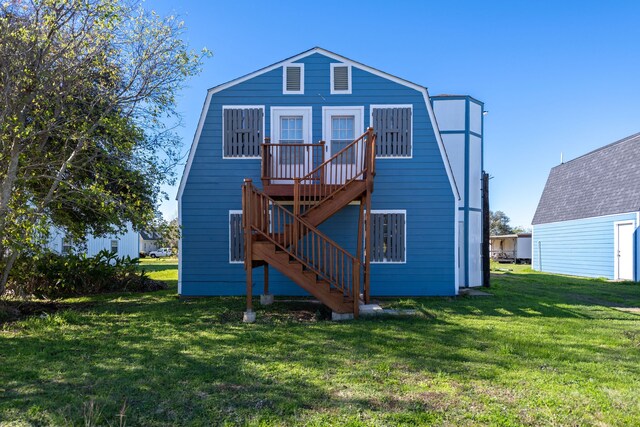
(265, 219)
(355, 162)
(293, 243)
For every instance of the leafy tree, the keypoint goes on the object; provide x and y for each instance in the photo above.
(86, 90)
(499, 223)
(169, 234)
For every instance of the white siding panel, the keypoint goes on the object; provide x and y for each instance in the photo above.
(524, 247)
(475, 246)
(475, 117)
(450, 114)
(454, 144)
(475, 172)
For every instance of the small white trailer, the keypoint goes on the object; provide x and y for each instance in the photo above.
(514, 248)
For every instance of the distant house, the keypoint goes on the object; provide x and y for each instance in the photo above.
(514, 248)
(587, 220)
(123, 244)
(149, 241)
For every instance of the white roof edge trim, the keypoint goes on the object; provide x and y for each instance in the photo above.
(443, 151)
(194, 146)
(310, 52)
(422, 89)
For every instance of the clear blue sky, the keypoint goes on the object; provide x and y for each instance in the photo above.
(555, 76)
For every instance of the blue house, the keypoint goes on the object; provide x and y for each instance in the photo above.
(586, 223)
(321, 175)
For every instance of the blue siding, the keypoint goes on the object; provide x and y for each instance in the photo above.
(583, 247)
(419, 185)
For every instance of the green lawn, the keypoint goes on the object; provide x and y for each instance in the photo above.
(544, 350)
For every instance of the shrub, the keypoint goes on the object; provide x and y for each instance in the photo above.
(51, 275)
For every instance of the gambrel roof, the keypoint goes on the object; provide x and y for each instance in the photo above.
(603, 182)
(341, 59)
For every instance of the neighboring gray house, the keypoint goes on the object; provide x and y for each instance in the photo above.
(149, 241)
(587, 220)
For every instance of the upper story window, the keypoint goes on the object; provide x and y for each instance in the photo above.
(340, 79)
(243, 131)
(114, 246)
(393, 125)
(293, 79)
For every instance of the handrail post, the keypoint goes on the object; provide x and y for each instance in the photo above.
(355, 292)
(266, 161)
(296, 212)
(247, 221)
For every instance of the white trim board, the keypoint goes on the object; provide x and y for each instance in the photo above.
(180, 246)
(194, 146)
(331, 55)
(382, 106)
(264, 129)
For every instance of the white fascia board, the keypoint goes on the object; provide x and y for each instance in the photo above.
(194, 145)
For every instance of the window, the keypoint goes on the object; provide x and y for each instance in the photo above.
(388, 236)
(114, 246)
(342, 134)
(291, 133)
(393, 126)
(67, 246)
(243, 131)
(236, 238)
(340, 79)
(293, 79)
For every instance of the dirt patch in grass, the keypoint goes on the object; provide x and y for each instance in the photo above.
(12, 311)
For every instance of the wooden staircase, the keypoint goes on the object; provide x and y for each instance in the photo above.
(290, 241)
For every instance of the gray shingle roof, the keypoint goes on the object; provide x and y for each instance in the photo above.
(603, 182)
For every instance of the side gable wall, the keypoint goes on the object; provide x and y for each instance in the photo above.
(420, 185)
(581, 247)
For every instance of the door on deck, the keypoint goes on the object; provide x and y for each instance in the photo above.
(291, 126)
(342, 125)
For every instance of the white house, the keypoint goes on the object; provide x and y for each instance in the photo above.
(124, 244)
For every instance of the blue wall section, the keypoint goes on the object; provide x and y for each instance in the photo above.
(583, 247)
(419, 185)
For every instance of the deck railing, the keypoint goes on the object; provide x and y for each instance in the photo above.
(283, 162)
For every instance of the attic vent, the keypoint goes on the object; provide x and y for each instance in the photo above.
(294, 79)
(340, 78)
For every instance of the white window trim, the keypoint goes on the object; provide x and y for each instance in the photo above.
(264, 129)
(349, 80)
(232, 212)
(307, 117)
(284, 79)
(615, 249)
(394, 211)
(380, 106)
(326, 116)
